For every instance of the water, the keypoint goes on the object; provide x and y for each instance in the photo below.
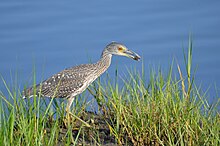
(53, 35)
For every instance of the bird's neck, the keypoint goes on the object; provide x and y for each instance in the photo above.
(104, 63)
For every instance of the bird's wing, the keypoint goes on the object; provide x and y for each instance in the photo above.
(66, 82)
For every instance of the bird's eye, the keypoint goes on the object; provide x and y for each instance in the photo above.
(120, 49)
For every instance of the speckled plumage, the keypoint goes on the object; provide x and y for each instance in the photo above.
(73, 81)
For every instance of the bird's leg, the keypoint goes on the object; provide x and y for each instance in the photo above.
(69, 103)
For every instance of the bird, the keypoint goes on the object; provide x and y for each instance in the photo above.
(74, 80)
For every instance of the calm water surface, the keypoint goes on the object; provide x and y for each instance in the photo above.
(53, 35)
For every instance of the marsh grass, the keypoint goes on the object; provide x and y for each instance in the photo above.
(169, 109)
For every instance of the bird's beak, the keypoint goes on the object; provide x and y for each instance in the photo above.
(131, 55)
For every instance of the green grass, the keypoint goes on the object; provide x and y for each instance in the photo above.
(166, 109)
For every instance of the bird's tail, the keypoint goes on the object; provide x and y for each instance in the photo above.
(29, 92)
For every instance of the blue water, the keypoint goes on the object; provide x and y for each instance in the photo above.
(53, 35)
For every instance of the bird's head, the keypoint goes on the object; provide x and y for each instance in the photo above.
(120, 49)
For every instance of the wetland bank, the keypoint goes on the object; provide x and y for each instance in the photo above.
(170, 109)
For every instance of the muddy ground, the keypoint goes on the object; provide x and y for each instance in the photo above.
(97, 134)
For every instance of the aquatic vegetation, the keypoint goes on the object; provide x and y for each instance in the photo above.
(166, 109)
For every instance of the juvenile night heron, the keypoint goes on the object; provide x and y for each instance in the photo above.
(73, 81)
